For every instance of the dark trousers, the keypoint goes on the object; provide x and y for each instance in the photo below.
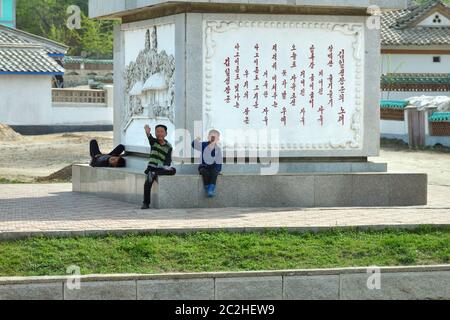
(152, 176)
(95, 150)
(209, 175)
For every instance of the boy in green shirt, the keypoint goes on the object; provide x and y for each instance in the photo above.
(160, 160)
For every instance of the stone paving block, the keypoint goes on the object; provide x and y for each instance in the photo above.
(257, 288)
(32, 291)
(176, 192)
(89, 180)
(103, 290)
(139, 193)
(408, 189)
(181, 289)
(311, 287)
(369, 167)
(398, 286)
(333, 190)
(370, 190)
(227, 194)
(275, 191)
(76, 178)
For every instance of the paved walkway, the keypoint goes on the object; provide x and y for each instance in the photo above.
(52, 209)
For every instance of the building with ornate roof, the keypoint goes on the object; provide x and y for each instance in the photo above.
(416, 50)
(27, 54)
(415, 62)
(29, 103)
(28, 67)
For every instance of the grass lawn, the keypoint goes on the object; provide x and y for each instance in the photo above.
(35, 181)
(222, 251)
(8, 181)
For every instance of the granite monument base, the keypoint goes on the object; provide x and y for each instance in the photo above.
(307, 189)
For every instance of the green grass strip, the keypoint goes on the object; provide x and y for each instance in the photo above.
(223, 251)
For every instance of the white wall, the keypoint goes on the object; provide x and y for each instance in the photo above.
(393, 127)
(82, 115)
(414, 63)
(25, 99)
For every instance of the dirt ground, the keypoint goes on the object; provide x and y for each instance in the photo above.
(26, 158)
(435, 164)
(29, 157)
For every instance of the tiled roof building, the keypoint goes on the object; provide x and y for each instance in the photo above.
(421, 25)
(415, 46)
(29, 67)
(24, 53)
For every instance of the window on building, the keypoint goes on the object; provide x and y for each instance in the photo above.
(437, 59)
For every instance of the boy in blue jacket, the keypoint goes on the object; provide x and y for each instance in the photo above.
(211, 165)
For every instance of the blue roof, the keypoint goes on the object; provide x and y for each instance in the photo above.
(393, 104)
(440, 117)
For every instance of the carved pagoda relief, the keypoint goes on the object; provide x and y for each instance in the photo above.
(150, 83)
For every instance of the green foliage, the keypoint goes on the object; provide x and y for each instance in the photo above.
(9, 181)
(48, 18)
(223, 251)
(97, 38)
(424, 1)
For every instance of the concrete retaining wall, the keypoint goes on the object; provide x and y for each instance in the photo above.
(418, 282)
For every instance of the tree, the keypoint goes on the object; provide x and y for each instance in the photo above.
(48, 18)
(97, 38)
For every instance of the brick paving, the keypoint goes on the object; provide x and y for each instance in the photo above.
(52, 209)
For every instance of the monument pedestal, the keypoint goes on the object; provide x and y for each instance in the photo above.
(313, 189)
(282, 167)
(284, 79)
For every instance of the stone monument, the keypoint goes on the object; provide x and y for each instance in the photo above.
(293, 86)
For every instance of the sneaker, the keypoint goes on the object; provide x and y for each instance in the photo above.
(145, 206)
